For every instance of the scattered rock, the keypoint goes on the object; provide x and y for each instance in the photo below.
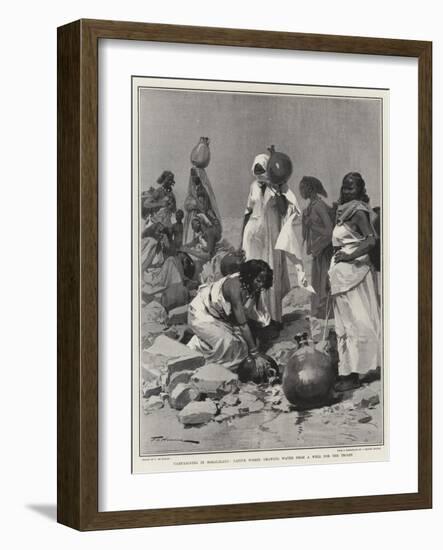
(250, 387)
(172, 356)
(151, 373)
(365, 419)
(230, 412)
(181, 377)
(276, 391)
(154, 403)
(230, 400)
(173, 332)
(283, 405)
(178, 315)
(214, 380)
(365, 399)
(249, 403)
(276, 400)
(153, 318)
(371, 402)
(182, 395)
(255, 406)
(246, 397)
(198, 412)
(164, 382)
(151, 388)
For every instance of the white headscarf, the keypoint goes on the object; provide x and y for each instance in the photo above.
(262, 160)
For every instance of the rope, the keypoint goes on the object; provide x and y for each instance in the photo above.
(327, 314)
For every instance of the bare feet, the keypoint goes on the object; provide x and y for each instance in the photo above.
(347, 383)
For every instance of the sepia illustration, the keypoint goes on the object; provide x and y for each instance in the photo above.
(259, 273)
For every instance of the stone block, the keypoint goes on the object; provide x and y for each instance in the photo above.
(181, 377)
(198, 412)
(153, 318)
(151, 388)
(178, 315)
(171, 356)
(182, 395)
(154, 403)
(230, 400)
(151, 373)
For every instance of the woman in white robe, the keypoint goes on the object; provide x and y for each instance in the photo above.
(353, 286)
(268, 210)
(219, 315)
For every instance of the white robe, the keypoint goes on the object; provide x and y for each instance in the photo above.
(356, 310)
(264, 230)
(215, 335)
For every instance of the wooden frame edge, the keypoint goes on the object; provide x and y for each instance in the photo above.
(68, 275)
(77, 172)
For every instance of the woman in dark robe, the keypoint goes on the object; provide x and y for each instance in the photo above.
(317, 229)
(200, 200)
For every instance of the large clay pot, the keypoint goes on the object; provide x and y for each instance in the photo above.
(279, 167)
(308, 378)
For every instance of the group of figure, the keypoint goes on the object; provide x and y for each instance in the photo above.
(174, 253)
(232, 314)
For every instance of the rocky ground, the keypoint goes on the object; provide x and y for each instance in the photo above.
(207, 409)
(188, 406)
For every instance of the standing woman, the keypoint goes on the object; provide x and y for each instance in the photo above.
(270, 204)
(356, 309)
(317, 234)
(201, 198)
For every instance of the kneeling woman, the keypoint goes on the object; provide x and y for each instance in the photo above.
(219, 316)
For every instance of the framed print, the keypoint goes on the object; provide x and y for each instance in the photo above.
(244, 300)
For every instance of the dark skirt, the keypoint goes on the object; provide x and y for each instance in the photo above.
(320, 283)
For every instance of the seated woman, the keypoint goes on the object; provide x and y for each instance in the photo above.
(356, 310)
(202, 247)
(159, 271)
(219, 316)
(159, 204)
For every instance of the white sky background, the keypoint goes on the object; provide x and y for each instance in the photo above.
(324, 137)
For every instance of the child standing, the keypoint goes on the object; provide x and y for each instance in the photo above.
(177, 231)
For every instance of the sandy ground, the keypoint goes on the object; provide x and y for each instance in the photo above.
(342, 424)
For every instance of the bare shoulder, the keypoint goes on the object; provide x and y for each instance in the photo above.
(361, 216)
(232, 287)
